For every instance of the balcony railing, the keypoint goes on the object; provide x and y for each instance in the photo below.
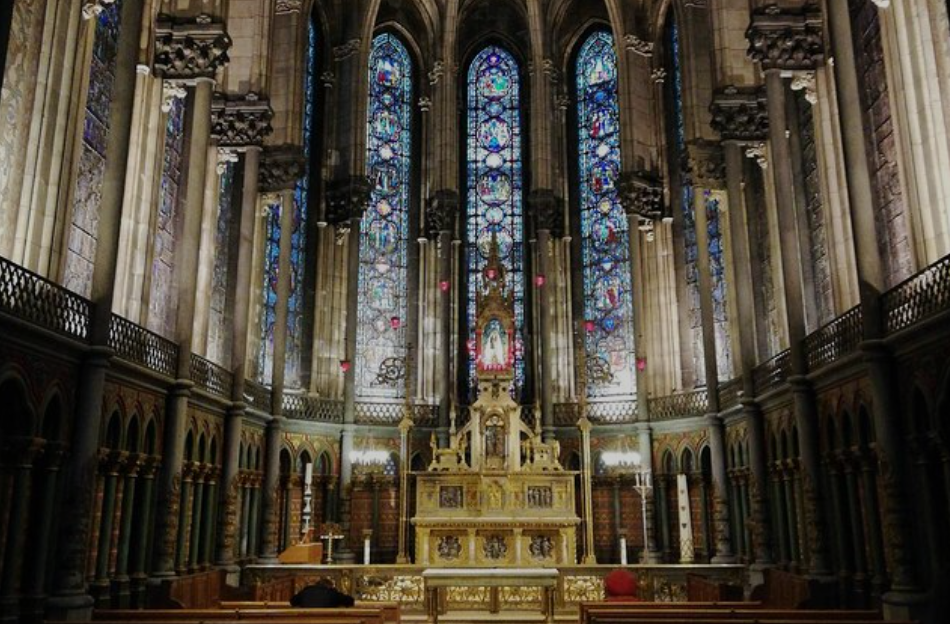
(257, 395)
(919, 297)
(835, 340)
(138, 345)
(729, 393)
(680, 405)
(612, 412)
(26, 295)
(210, 377)
(317, 409)
(772, 373)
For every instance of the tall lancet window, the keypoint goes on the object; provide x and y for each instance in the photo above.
(605, 246)
(83, 232)
(298, 247)
(384, 236)
(494, 186)
(678, 161)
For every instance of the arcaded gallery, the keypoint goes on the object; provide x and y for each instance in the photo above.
(472, 311)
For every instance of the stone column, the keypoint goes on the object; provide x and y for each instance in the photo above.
(141, 547)
(642, 196)
(34, 584)
(645, 438)
(717, 450)
(782, 41)
(905, 595)
(440, 225)
(586, 476)
(239, 125)
(271, 484)
(125, 531)
(24, 452)
(203, 45)
(740, 117)
(112, 462)
(347, 198)
(549, 219)
(405, 430)
(70, 600)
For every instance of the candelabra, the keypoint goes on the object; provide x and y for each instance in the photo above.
(643, 484)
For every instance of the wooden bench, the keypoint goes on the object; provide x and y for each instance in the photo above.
(702, 589)
(784, 590)
(637, 612)
(352, 615)
(193, 591)
(390, 610)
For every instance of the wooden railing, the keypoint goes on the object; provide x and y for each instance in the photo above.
(918, 298)
(680, 405)
(772, 373)
(133, 343)
(257, 395)
(835, 340)
(26, 295)
(316, 409)
(210, 377)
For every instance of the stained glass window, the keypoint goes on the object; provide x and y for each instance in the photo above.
(381, 331)
(605, 247)
(269, 304)
(87, 196)
(219, 338)
(494, 186)
(686, 205)
(161, 312)
(717, 269)
(298, 249)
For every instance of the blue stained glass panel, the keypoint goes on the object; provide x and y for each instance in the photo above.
(494, 187)
(219, 338)
(717, 269)
(269, 304)
(384, 235)
(605, 247)
(87, 195)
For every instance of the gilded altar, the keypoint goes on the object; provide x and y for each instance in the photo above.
(496, 494)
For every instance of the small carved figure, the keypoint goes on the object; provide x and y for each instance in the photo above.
(495, 547)
(541, 547)
(449, 547)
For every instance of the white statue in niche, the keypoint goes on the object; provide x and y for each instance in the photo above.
(494, 346)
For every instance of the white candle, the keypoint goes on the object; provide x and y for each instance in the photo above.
(623, 551)
(308, 474)
(366, 550)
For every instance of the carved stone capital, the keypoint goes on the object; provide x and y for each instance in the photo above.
(172, 90)
(436, 73)
(706, 164)
(548, 211)
(281, 168)
(92, 8)
(805, 81)
(788, 39)
(641, 193)
(740, 114)
(346, 50)
(759, 153)
(635, 44)
(284, 7)
(441, 212)
(241, 123)
(188, 50)
(347, 198)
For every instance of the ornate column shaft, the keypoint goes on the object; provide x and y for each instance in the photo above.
(34, 584)
(782, 41)
(645, 439)
(281, 168)
(70, 598)
(23, 452)
(548, 214)
(871, 285)
(642, 195)
(440, 225)
(240, 126)
(271, 483)
(740, 118)
(405, 430)
(586, 477)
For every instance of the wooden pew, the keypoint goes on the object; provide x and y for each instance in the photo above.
(352, 615)
(688, 612)
(193, 591)
(702, 589)
(390, 610)
(784, 590)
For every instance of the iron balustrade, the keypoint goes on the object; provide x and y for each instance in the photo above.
(133, 343)
(312, 408)
(837, 339)
(257, 395)
(33, 298)
(680, 405)
(918, 298)
(210, 377)
(772, 373)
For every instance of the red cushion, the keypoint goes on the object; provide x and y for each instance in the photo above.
(621, 582)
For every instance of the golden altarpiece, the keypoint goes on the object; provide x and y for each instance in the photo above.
(497, 496)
